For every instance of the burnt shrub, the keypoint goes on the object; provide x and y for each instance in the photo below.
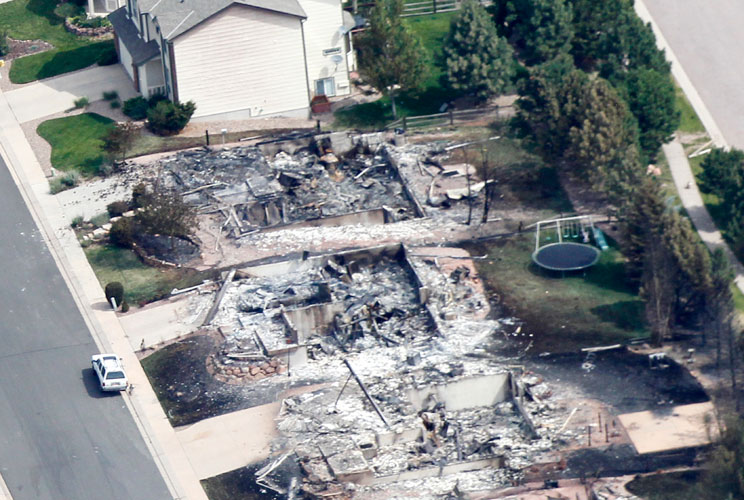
(139, 192)
(169, 118)
(117, 208)
(122, 232)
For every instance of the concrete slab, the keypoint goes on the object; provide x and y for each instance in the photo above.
(221, 444)
(682, 427)
(165, 320)
(58, 94)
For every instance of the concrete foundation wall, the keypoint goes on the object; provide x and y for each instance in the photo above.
(367, 217)
(494, 462)
(313, 320)
(486, 390)
(365, 255)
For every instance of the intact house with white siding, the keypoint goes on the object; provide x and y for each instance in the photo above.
(236, 59)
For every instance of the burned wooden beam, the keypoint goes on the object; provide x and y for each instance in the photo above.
(364, 390)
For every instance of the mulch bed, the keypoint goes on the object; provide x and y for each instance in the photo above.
(20, 48)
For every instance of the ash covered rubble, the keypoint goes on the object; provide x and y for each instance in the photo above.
(433, 176)
(409, 393)
(252, 192)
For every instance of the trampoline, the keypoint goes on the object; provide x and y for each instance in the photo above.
(566, 256)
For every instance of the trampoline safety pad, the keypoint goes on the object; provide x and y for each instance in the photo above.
(566, 256)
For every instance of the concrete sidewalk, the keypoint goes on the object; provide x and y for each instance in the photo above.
(157, 432)
(678, 162)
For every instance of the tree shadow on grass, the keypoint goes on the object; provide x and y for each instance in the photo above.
(64, 61)
(45, 8)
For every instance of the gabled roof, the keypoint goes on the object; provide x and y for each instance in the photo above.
(175, 17)
(140, 50)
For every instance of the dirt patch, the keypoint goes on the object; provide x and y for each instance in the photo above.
(620, 379)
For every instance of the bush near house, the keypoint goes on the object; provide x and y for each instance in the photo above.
(136, 108)
(169, 118)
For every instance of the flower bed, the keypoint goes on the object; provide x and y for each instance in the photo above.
(73, 25)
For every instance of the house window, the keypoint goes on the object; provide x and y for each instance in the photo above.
(325, 86)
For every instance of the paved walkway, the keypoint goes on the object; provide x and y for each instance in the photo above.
(678, 162)
(160, 437)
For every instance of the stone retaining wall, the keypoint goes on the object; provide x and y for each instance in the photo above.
(89, 32)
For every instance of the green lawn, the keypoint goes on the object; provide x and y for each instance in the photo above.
(689, 121)
(76, 141)
(35, 19)
(432, 30)
(141, 283)
(563, 313)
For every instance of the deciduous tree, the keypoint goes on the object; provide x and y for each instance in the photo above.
(120, 139)
(165, 212)
(478, 60)
(389, 54)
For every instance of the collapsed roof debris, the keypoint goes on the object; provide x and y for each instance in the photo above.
(410, 326)
(252, 192)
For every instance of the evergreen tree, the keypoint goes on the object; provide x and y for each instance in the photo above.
(602, 143)
(478, 60)
(545, 109)
(650, 97)
(389, 54)
(543, 28)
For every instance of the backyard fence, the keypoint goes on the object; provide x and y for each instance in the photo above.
(451, 117)
(421, 7)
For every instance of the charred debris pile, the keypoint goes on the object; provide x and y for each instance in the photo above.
(253, 189)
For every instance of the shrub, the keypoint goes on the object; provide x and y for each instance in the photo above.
(115, 104)
(124, 306)
(64, 182)
(94, 22)
(110, 95)
(82, 102)
(4, 46)
(100, 219)
(108, 57)
(117, 208)
(76, 221)
(135, 108)
(139, 192)
(122, 232)
(69, 9)
(154, 99)
(114, 290)
(168, 118)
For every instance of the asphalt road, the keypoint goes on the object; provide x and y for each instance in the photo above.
(60, 438)
(708, 39)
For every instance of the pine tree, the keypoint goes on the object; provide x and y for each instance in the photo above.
(478, 60)
(543, 28)
(650, 97)
(389, 54)
(602, 143)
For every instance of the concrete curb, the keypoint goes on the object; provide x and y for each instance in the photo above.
(682, 79)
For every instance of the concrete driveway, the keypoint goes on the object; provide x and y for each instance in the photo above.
(707, 39)
(58, 94)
